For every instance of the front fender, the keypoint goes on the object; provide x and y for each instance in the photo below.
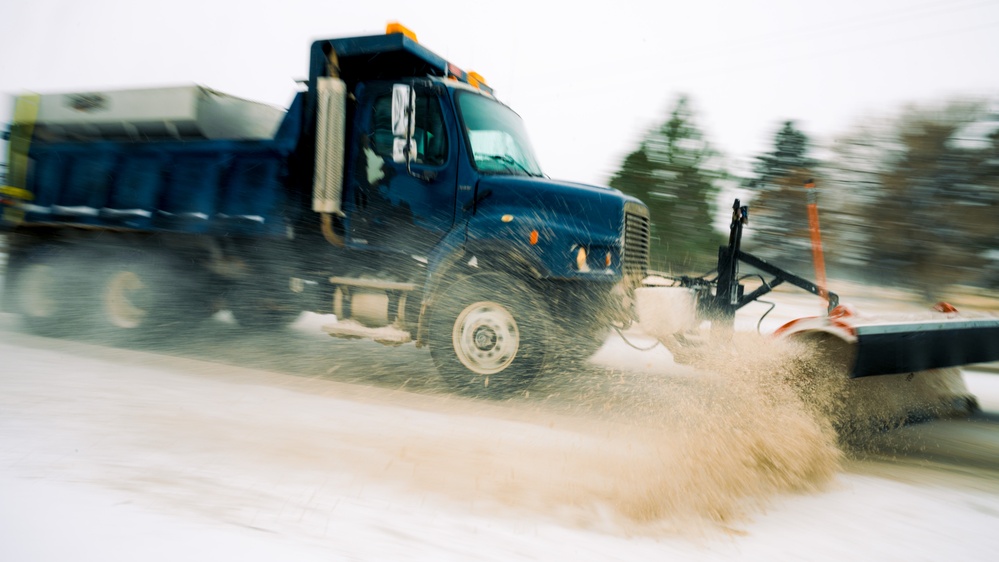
(456, 256)
(549, 241)
(552, 220)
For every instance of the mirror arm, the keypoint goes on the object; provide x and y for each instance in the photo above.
(426, 175)
(404, 122)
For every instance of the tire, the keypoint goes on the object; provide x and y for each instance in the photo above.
(261, 308)
(52, 291)
(146, 299)
(579, 343)
(262, 299)
(586, 313)
(489, 335)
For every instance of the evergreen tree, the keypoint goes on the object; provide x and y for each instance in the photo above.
(675, 172)
(789, 157)
(925, 216)
(779, 217)
(935, 213)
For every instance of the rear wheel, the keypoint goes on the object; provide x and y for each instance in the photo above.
(259, 307)
(262, 298)
(147, 298)
(489, 335)
(52, 294)
(122, 300)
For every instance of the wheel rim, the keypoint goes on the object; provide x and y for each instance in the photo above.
(118, 303)
(38, 285)
(486, 338)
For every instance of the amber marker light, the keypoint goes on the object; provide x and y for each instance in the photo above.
(534, 237)
(396, 27)
(476, 79)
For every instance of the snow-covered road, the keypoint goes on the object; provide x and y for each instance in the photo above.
(298, 447)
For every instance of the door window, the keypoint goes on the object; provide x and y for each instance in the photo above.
(429, 134)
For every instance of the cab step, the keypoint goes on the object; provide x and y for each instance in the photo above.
(351, 329)
(373, 284)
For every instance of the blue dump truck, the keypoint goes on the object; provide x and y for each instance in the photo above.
(395, 192)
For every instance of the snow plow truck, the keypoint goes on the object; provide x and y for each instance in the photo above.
(396, 193)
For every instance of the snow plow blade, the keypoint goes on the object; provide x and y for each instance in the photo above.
(868, 371)
(885, 349)
(891, 348)
(874, 345)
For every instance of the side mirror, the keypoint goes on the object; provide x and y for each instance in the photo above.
(403, 123)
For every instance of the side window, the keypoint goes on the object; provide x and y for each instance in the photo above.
(429, 135)
(381, 125)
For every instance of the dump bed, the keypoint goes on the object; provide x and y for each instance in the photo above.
(180, 159)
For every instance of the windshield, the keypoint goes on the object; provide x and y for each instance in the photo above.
(497, 137)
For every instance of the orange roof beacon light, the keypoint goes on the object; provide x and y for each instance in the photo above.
(473, 79)
(476, 79)
(396, 27)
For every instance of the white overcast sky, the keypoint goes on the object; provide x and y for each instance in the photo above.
(587, 76)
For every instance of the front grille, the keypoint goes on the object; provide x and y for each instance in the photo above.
(636, 240)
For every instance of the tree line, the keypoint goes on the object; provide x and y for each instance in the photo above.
(909, 201)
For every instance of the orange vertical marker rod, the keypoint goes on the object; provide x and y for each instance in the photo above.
(818, 260)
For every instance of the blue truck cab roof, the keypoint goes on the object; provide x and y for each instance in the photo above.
(392, 56)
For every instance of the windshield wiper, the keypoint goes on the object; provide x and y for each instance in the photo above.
(508, 160)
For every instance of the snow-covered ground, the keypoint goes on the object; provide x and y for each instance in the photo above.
(299, 447)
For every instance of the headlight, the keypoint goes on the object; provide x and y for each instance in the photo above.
(581, 264)
(592, 258)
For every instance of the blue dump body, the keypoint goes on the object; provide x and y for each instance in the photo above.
(200, 186)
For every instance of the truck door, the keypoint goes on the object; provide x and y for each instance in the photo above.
(391, 206)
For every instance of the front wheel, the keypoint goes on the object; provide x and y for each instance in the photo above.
(580, 341)
(489, 335)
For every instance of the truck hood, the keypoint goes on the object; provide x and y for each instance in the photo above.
(549, 220)
(564, 215)
(591, 209)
